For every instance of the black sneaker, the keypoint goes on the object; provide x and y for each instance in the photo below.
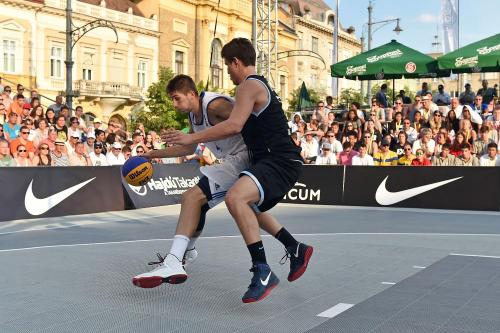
(299, 259)
(263, 281)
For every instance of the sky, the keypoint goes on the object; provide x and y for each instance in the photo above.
(419, 20)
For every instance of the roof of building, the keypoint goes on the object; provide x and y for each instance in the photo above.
(316, 8)
(119, 5)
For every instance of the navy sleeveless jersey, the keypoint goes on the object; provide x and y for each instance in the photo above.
(266, 132)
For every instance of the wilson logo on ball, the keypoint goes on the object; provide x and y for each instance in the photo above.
(137, 171)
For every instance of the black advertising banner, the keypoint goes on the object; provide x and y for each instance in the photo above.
(166, 187)
(471, 188)
(58, 191)
(319, 185)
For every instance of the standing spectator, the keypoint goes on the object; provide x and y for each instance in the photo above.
(487, 93)
(310, 148)
(363, 158)
(43, 157)
(466, 159)
(467, 96)
(22, 158)
(115, 156)
(59, 155)
(398, 146)
(326, 157)
(23, 140)
(79, 157)
(441, 97)
(407, 156)
(17, 106)
(50, 115)
(11, 128)
(371, 146)
(345, 157)
(385, 157)
(426, 143)
(404, 98)
(425, 89)
(381, 96)
(420, 159)
(444, 158)
(97, 158)
(480, 146)
(6, 159)
(56, 107)
(61, 128)
(489, 159)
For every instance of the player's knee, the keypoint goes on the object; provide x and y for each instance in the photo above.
(232, 199)
(193, 197)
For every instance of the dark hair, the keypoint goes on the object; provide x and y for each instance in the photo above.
(346, 145)
(98, 132)
(465, 146)
(356, 104)
(24, 127)
(384, 86)
(181, 83)
(111, 138)
(353, 133)
(19, 96)
(492, 145)
(135, 135)
(72, 119)
(484, 129)
(445, 146)
(126, 149)
(241, 49)
(64, 107)
(79, 107)
(361, 145)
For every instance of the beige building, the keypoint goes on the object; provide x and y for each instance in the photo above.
(110, 76)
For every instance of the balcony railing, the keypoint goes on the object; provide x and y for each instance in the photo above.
(107, 89)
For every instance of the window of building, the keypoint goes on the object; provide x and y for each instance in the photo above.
(56, 62)
(179, 62)
(216, 67)
(87, 65)
(301, 40)
(314, 44)
(9, 56)
(142, 69)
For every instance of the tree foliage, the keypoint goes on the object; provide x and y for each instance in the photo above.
(292, 102)
(348, 96)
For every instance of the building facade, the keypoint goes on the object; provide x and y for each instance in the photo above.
(110, 74)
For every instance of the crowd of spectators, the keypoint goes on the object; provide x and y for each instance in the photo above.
(32, 135)
(434, 129)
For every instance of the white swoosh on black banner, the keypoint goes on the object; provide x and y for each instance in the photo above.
(386, 198)
(36, 206)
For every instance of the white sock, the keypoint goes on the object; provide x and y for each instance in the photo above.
(179, 246)
(192, 240)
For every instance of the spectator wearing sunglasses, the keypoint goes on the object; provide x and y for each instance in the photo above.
(6, 159)
(74, 127)
(407, 157)
(23, 140)
(97, 158)
(22, 158)
(420, 159)
(11, 128)
(7, 101)
(115, 156)
(59, 155)
(43, 157)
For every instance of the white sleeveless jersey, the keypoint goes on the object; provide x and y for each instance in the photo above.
(220, 148)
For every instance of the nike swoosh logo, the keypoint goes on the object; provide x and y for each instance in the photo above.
(36, 206)
(297, 252)
(266, 281)
(386, 198)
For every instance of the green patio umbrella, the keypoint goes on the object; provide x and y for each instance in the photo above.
(304, 101)
(390, 61)
(481, 56)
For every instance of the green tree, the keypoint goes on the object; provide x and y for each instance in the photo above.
(347, 96)
(292, 102)
(159, 111)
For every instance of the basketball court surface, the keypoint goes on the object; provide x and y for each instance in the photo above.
(373, 270)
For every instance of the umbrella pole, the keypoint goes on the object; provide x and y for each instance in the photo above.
(393, 90)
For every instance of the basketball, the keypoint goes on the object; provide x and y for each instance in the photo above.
(137, 171)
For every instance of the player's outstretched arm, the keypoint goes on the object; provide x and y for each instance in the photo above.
(175, 151)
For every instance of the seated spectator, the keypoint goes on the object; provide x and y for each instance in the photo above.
(480, 146)
(22, 158)
(491, 158)
(398, 146)
(51, 139)
(65, 113)
(353, 119)
(385, 157)
(425, 142)
(59, 155)
(127, 152)
(313, 128)
(473, 118)
(326, 157)
(74, 127)
(89, 144)
(37, 113)
(372, 129)
(436, 122)
(411, 133)
(43, 157)
(336, 145)
(5, 159)
(17, 106)
(2, 134)
(71, 143)
(466, 159)
(319, 112)
(115, 156)
(26, 112)
(140, 150)
(419, 122)
(40, 133)
(396, 125)
(440, 141)
(363, 158)
(420, 159)
(310, 147)
(357, 107)
(345, 157)
(417, 105)
(23, 140)
(444, 158)
(335, 128)
(292, 124)
(467, 96)
(97, 158)
(407, 156)
(50, 115)
(371, 146)
(352, 138)
(79, 157)
(11, 128)
(61, 128)
(375, 123)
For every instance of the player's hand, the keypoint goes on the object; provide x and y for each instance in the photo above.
(176, 137)
(148, 155)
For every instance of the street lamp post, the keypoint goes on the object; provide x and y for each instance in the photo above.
(370, 23)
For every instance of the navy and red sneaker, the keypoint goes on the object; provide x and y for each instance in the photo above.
(299, 259)
(263, 281)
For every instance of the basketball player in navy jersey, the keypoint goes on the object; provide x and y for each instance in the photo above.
(204, 110)
(275, 164)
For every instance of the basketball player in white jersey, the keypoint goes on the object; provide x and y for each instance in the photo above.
(205, 110)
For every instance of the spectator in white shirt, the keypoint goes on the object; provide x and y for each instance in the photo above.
(115, 156)
(332, 140)
(310, 147)
(97, 157)
(426, 143)
(490, 159)
(326, 157)
(411, 133)
(363, 158)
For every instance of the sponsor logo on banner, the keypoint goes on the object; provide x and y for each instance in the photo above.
(356, 70)
(410, 67)
(470, 62)
(300, 192)
(486, 49)
(393, 54)
(169, 185)
(379, 76)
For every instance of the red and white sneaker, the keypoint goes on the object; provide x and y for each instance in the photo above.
(170, 270)
(189, 257)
